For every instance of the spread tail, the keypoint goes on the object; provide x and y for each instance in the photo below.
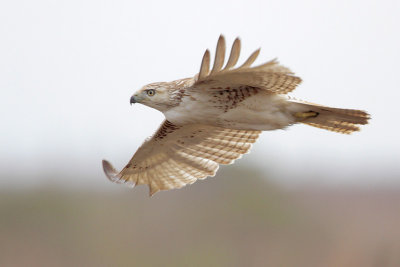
(333, 119)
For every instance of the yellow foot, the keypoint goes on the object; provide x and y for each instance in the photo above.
(305, 115)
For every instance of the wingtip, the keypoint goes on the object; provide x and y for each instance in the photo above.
(110, 171)
(237, 42)
(221, 41)
(205, 65)
(153, 190)
(235, 53)
(251, 59)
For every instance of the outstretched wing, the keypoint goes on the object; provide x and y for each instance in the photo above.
(179, 155)
(270, 76)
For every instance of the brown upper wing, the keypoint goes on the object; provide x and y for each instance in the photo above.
(270, 76)
(179, 155)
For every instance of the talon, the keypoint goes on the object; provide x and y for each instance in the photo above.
(305, 115)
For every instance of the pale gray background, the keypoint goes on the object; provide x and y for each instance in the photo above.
(68, 69)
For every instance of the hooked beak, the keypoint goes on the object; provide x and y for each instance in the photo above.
(133, 100)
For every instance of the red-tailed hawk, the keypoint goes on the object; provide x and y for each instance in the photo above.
(215, 117)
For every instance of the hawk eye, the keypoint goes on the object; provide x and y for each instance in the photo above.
(151, 92)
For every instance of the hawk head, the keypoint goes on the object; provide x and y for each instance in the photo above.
(155, 95)
(161, 95)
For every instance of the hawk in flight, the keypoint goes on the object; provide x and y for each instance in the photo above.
(215, 117)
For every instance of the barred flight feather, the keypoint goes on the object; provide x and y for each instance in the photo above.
(270, 76)
(179, 155)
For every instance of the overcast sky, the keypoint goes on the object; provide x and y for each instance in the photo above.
(68, 69)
